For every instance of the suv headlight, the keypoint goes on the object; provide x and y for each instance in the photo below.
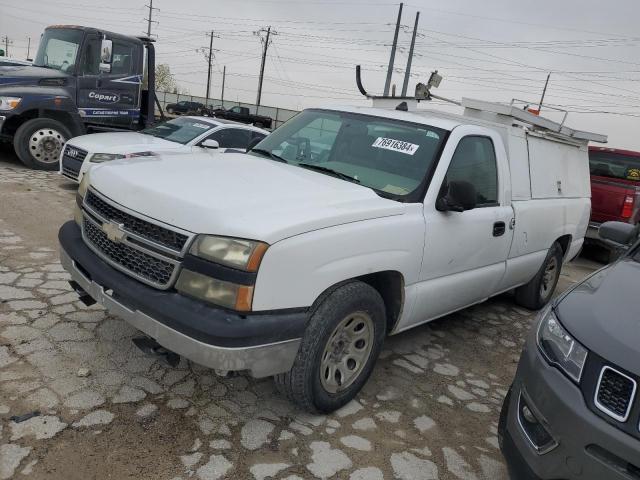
(105, 157)
(232, 252)
(560, 348)
(9, 103)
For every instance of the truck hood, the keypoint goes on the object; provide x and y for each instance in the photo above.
(237, 195)
(27, 75)
(603, 313)
(123, 142)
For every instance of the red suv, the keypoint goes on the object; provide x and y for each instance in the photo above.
(615, 188)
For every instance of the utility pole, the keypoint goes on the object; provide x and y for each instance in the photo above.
(387, 83)
(209, 71)
(265, 46)
(544, 90)
(28, 47)
(149, 20)
(7, 42)
(407, 72)
(224, 76)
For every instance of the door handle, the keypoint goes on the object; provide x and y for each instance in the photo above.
(498, 229)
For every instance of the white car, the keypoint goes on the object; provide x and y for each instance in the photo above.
(341, 227)
(180, 135)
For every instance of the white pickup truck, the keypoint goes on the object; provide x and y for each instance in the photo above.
(342, 227)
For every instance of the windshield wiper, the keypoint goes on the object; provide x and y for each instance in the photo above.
(270, 154)
(330, 171)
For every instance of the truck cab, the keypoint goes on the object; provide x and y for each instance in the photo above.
(82, 79)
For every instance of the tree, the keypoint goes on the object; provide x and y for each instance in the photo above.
(165, 82)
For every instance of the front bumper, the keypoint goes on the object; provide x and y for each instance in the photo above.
(265, 344)
(588, 447)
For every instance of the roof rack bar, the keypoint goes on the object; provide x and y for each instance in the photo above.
(531, 119)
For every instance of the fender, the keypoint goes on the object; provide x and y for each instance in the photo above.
(297, 270)
(38, 102)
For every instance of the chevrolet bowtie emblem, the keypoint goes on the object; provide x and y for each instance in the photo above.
(114, 231)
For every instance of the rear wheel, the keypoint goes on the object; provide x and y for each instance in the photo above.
(537, 293)
(339, 349)
(38, 143)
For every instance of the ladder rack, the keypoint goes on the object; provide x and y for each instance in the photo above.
(479, 108)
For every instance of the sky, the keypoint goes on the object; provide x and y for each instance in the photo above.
(494, 50)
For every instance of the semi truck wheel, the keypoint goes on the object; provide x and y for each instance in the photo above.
(338, 351)
(537, 293)
(38, 143)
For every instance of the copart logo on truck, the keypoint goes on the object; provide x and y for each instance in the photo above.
(104, 97)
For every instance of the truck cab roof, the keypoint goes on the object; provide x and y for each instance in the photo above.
(111, 35)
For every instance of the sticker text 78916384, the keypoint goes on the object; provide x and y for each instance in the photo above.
(395, 145)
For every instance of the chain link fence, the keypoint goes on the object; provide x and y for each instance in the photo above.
(279, 115)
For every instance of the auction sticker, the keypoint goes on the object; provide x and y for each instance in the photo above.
(396, 145)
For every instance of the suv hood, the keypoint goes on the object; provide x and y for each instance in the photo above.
(122, 142)
(27, 74)
(237, 195)
(603, 313)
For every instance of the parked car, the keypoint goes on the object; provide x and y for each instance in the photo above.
(615, 189)
(13, 62)
(243, 115)
(184, 107)
(573, 411)
(177, 135)
(342, 226)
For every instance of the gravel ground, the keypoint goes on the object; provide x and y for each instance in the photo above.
(109, 411)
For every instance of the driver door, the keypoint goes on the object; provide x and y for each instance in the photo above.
(465, 252)
(111, 99)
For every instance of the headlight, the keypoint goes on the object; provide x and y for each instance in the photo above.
(9, 103)
(560, 348)
(219, 292)
(233, 252)
(105, 157)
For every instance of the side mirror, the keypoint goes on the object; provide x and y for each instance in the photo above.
(618, 233)
(253, 143)
(457, 196)
(210, 144)
(106, 55)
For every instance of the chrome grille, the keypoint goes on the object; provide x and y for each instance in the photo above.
(615, 393)
(72, 159)
(155, 271)
(143, 228)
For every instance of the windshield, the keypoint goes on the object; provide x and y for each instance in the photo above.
(390, 156)
(614, 165)
(59, 49)
(180, 130)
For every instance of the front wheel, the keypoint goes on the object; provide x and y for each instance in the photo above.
(537, 293)
(338, 351)
(38, 143)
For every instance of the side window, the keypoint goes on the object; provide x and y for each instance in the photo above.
(123, 58)
(231, 138)
(91, 57)
(474, 161)
(257, 135)
(236, 110)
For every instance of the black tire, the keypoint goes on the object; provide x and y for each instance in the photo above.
(169, 110)
(532, 295)
(29, 144)
(302, 385)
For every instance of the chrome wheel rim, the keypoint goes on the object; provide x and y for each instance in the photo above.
(346, 352)
(46, 144)
(551, 271)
